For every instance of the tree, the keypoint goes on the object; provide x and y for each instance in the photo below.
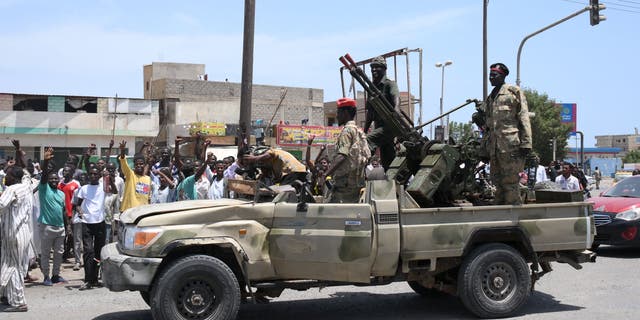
(460, 132)
(632, 156)
(545, 126)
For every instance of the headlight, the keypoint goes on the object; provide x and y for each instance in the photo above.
(136, 238)
(629, 215)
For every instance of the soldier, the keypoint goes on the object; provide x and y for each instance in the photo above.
(508, 131)
(379, 137)
(352, 154)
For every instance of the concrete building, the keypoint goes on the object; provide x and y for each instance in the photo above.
(70, 123)
(187, 96)
(626, 142)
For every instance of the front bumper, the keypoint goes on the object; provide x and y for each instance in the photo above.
(122, 272)
(618, 233)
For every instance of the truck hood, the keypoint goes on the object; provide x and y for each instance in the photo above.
(134, 214)
(614, 204)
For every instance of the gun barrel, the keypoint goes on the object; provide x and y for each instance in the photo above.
(469, 101)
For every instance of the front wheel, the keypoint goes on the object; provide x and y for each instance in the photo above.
(494, 281)
(196, 287)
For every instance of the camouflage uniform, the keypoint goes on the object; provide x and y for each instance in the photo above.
(508, 130)
(381, 137)
(349, 177)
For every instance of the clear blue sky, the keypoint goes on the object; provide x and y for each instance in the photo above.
(99, 47)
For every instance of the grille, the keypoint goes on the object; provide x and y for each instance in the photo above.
(601, 218)
(387, 218)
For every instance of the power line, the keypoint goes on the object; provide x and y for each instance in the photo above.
(608, 6)
(623, 5)
(628, 1)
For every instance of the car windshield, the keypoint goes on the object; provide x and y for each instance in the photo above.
(629, 188)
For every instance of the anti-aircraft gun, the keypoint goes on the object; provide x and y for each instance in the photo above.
(442, 173)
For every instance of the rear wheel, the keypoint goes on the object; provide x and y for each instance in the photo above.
(494, 281)
(196, 287)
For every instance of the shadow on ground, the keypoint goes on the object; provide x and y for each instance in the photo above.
(365, 305)
(619, 252)
(128, 315)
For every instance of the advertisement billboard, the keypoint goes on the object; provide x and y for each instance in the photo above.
(569, 115)
(297, 136)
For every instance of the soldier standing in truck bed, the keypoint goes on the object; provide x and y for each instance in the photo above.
(352, 154)
(509, 135)
(381, 137)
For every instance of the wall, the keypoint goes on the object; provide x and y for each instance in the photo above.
(169, 70)
(299, 103)
(6, 102)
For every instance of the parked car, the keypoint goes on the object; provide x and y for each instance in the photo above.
(590, 180)
(617, 214)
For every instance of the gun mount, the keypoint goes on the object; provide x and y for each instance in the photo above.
(442, 173)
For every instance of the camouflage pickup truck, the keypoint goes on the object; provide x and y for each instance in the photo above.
(201, 259)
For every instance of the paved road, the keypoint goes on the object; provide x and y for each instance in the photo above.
(606, 289)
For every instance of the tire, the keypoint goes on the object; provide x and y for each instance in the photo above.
(494, 281)
(146, 297)
(594, 246)
(196, 287)
(424, 291)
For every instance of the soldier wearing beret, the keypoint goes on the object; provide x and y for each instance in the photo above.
(508, 131)
(352, 154)
(381, 137)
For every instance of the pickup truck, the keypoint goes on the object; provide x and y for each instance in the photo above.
(201, 259)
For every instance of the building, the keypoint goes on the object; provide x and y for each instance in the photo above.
(626, 142)
(70, 123)
(187, 96)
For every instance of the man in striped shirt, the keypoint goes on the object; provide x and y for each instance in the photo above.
(16, 203)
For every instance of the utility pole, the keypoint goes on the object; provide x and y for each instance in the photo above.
(581, 149)
(595, 18)
(247, 69)
(485, 67)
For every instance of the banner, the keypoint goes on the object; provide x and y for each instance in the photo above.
(208, 128)
(297, 136)
(568, 114)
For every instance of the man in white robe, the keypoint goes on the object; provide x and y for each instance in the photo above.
(16, 205)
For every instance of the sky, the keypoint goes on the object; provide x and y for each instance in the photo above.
(98, 48)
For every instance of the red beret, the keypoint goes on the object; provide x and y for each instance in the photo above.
(346, 102)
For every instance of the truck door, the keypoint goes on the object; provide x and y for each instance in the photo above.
(325, 242)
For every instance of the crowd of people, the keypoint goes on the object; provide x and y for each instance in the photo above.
(50, 216)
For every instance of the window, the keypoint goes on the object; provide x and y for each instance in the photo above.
(30, 103)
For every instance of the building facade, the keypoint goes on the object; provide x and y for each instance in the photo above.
(70, 123)
(626, 142)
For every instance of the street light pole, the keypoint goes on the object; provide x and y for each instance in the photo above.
(573, 15)
(445, 127)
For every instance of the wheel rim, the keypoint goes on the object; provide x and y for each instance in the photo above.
(498, 281)
(196, 298)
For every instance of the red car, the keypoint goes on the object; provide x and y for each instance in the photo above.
(617, 214)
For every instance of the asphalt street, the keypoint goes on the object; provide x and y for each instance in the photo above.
(601, 290)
